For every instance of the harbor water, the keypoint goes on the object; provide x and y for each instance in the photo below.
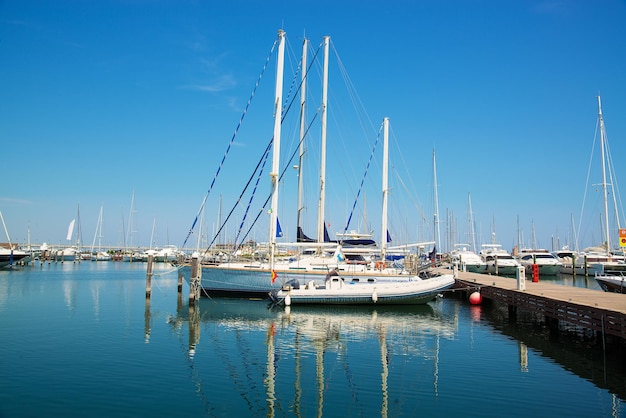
(81, 339)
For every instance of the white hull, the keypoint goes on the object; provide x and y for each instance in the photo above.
(612, 283)
(7, 259)
(253, 279)
(341, 291)
(507, 269)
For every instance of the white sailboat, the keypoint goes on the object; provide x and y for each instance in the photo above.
(339, 289)
(256, 277)
(96, 253)
(10, 256)
(608, 266)
(463, 255)
(74, 233)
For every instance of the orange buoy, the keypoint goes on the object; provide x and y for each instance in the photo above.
(475, 298)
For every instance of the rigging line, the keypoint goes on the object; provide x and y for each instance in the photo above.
(399, 178)
(413, 191)
(256, 185)
(306, 133)
(617, 198)
(232, 140)
(354, 96)
(263, 157)
(284, 114)
(593, 146)
(356, 199)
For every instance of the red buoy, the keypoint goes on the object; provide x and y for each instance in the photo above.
(475, 298)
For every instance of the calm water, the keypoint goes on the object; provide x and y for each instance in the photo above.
(80, 340)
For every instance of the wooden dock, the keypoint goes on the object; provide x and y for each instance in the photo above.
(594, 310)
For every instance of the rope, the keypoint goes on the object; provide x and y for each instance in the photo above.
(232, 140)
(362, 181)
(293, 155)
(256, 185)
(285, 111)
(259, 163)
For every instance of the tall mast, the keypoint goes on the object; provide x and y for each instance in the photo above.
(100, 229)
(436, 203)
(321, 203)
(604, 185)
(276, 145)
(305, 45)
(383, 238)
(470, 226)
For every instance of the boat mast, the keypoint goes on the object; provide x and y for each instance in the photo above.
(95, 235)
(276, 145)
(604, 185)
(6, 231)
(383, 238)
(321, 203)
(152, 233)
(305, 45)
(100, 221)
(470, 227)
(129, 232)
(436, 203)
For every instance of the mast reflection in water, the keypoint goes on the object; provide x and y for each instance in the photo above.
(82, 340)
(314, 360)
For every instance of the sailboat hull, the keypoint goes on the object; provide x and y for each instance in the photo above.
(339, 291)
(254, 280)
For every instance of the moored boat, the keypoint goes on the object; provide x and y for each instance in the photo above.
(467, 260)
(498, 261)
(338, 290)
(615, 283)
(547, 263)
(8, 257)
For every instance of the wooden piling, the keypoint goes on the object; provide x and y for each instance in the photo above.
(194, 281)
(146, 326)
(180, 281)
(149, 276)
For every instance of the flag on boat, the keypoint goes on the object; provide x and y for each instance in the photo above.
(274, 276)
(279, 230)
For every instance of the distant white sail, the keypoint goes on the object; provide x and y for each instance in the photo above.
(70, 230)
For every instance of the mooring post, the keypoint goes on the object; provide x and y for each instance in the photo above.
(194, 281)
(146, 322)
(521, 278)
(149, 275)
(180, 281)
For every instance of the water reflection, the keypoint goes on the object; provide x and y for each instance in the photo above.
(575, 349)
(315, 345)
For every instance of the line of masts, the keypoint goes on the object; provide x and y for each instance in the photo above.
(322, 178)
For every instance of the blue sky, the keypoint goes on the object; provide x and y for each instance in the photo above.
(100, 100)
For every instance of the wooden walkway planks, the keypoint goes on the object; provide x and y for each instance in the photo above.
(588, 308)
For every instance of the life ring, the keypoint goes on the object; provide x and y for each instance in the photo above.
(380, 265)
